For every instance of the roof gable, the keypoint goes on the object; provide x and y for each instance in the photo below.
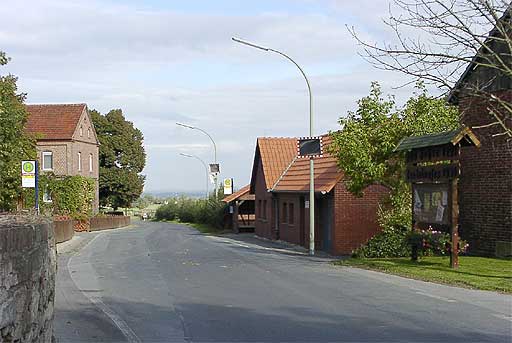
(461, 135)
(295, 178)
(275, 154)
(244, 191)
(54, 121)
(85, 122)
(492, 38)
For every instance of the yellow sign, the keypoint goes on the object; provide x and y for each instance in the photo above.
(28, 174)
(228, 186)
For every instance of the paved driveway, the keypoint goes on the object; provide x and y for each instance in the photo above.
(159, 282)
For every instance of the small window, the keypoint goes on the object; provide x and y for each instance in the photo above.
(47, 160)
(47, 196)
(285, 213)
(291, 214)
(89, 133)
(264, 209)
(79, 161)
(90, 162)
(81, 131)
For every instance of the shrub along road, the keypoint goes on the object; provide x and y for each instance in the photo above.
(162, 282)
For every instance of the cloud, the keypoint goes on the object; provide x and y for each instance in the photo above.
(164, 65)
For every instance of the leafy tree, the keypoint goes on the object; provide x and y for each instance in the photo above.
(122, 158)
(364, 146)
(15, 145)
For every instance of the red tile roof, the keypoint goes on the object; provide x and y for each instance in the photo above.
(54, 122)
(295, 178)
(241, 192)
(276, 154)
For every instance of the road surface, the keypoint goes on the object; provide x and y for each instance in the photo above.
(160, 282)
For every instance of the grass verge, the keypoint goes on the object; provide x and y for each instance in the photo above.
(483, 273)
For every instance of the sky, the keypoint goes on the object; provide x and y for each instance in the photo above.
(164, 62)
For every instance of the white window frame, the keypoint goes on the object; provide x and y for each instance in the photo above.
(47, 153)
(81, 131)
(79, 161)
(90, 163)
(89, 133)
(47, 197)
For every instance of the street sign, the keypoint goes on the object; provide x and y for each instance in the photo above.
(214, 168)
(228, 186)
(28, 174)
(308, 147)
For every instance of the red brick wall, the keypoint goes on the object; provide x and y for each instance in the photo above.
(355, 218)
(263, 227)
(485, 190)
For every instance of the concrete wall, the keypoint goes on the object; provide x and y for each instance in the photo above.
(27, 279)
(103, 223)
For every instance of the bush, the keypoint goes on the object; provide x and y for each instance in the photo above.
(391, 242)
(187, 210)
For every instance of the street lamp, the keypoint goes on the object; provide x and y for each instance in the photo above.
(205, 168)
(214, 148)
(311, 163)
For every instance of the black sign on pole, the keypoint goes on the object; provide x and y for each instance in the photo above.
(214, 168)
(308, 147)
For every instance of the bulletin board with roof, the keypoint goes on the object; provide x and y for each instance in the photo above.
(433, 170)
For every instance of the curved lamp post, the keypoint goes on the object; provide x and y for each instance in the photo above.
(205, 168)
(214, 147)
(311, 163)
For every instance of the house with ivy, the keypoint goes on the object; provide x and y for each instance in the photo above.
(67, 146)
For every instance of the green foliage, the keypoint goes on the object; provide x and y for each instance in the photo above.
(71, 195)
(122, 158)
(187, 210)
(15, 145)
(364, 149)
(391, 242)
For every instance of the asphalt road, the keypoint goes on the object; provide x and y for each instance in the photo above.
(159, 282)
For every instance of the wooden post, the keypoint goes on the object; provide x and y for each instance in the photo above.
(236, 227)
(454, 255)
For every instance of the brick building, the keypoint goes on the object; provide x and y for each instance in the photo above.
(66, 141)
(280, 182)
(485, 191)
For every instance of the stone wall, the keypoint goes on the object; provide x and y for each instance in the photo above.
(64, 230)
(27, 279)
(111, 222)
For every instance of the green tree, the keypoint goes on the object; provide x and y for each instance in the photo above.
(122, 158)
(364, 146)
(15, 145)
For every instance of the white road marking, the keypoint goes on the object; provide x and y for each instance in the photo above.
(96, 300)
(436, 297)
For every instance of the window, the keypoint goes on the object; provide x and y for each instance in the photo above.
(89, 133)
(81, 131)
(79, 161)
(47, 196)
(90, 162)
(47, 160)
(291, 214)
(285, 213)
(264, 209)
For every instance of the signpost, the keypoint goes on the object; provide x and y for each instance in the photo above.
(29, 179)
(228, 186)
(433, 169)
